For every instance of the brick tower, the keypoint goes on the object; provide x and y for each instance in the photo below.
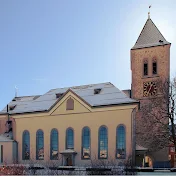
(150, 61)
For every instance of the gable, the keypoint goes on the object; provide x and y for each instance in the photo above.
(63, 108)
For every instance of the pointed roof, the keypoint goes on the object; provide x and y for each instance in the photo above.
(150, 36)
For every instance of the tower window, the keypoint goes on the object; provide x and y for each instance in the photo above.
(154, 68)
(145, 69)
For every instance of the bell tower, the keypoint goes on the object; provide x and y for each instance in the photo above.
(150, 61)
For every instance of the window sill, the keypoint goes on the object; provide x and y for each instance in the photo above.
(153, 76)
(85, 158)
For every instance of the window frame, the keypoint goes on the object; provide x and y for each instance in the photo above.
(103, 126)
(120, 125)
(51, 143)
(82, 143)
(23, 147)
(37, 143)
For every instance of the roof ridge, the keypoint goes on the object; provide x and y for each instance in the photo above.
(158, 29)
(81, 85)
(27, 96)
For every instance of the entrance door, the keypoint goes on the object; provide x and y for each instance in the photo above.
(69, 161)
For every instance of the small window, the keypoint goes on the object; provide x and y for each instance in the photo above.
(70, 104)
(12, 107)
(58, 95)
(172, 149)
(97, 91)
(145, 69)
(154, 68)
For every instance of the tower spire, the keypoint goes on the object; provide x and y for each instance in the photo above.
(149, 12)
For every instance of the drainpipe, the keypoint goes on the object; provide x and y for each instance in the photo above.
(8, 112)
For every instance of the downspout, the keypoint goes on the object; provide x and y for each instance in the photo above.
(133, 136)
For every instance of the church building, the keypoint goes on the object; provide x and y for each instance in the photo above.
(74, 125)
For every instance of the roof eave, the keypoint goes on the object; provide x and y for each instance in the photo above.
(117, 104)
(134, 48)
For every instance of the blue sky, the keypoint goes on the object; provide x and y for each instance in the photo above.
(47, 44)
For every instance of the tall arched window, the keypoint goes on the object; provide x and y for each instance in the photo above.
(26, 145)
(54, 144)
(39, 145)
(145, 68)
(120, 142)
(154, 67)
(103, 143)
(86, 143)
(69, 138)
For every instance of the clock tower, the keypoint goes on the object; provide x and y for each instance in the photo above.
(150, 62)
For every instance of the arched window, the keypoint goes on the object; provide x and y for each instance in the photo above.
(26, 145)
(54, 144)
(103, 143)
(70, 104)
(39, 145)
(145, 68)
(69, 138)
(154, 67)
(120, 142)
(86, 143)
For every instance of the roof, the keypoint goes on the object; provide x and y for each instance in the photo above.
(140, 148)
(7, 137)
(150, 36)
(109, 95)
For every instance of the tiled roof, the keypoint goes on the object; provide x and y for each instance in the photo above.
(109, 95)
(150, 36)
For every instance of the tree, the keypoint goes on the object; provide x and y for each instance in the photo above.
(155, 125)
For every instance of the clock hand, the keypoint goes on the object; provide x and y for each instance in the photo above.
(149, 89)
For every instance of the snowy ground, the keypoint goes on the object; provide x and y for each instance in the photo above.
(157, 173)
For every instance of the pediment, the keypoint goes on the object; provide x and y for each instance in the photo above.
(65, 106)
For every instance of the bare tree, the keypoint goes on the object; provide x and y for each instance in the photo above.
(155, 125)
(111, 167)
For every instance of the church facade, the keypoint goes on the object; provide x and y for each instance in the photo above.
(77, 124)
(71, 126)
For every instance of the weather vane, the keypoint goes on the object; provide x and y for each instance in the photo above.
(149, 12)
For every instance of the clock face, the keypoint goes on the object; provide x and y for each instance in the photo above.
(150, 89)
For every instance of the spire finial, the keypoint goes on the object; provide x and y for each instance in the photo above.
(149, 12)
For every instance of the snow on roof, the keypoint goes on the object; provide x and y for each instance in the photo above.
(150, 36)
(4, 138)
(109, 95)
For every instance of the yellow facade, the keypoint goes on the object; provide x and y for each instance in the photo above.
(82, 115)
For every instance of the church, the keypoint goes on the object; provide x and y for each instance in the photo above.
(74, 125)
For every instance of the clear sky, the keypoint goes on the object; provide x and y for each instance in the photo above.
(46, 44)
